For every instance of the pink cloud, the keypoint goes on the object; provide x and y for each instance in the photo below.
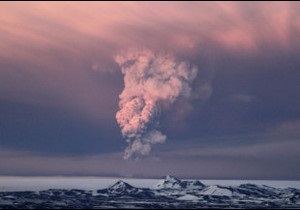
(180, 26)
(58, 43)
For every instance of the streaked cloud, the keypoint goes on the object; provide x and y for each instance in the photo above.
(49, 41)
(169, 25)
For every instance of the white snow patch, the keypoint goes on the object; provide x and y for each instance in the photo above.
(215, 190)
(188, 198)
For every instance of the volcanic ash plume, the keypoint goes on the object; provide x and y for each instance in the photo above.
(151, 80)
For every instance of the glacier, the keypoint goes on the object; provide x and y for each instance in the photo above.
(168, 193)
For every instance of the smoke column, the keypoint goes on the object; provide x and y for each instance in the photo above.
(152, 81)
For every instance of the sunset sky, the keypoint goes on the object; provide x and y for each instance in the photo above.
(60, 83)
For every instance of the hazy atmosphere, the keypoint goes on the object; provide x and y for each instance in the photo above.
(145, 89)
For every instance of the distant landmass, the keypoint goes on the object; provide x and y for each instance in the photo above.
(169, 192)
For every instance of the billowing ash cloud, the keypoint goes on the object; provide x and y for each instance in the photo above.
(153, 80)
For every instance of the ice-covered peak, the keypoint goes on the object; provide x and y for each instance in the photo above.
(121, 186)
(169, 182)
(170, 179)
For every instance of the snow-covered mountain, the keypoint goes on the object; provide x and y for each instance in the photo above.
(171, 182)
(169, 192)
(121, 187)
